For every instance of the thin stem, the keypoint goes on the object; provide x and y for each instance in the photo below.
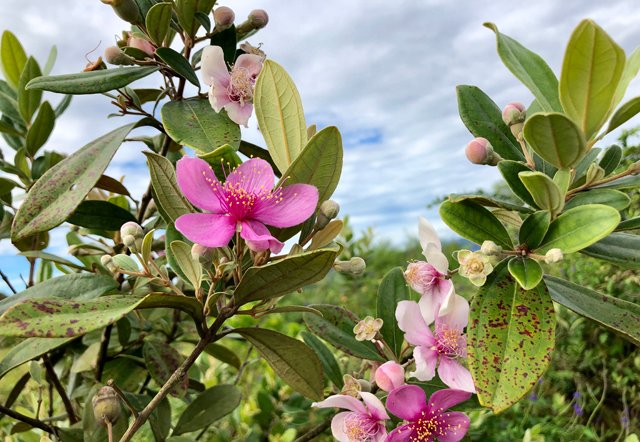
(102, 353)
(244, 365)
(315, 431)
(527, 155)
(55, 381)
(6, 280)
(110, 431)
(28, 420)
(602, 181)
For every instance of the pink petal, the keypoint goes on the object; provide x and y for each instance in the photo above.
(381, 435)
(207, 229)
(342, 401)
(457, 316)
(411, 322)
(455, 375)
(442, 400)
(337, 426)
(291, 206)
(429, 305)
(214, 67)
(426, 360)
(251, 62)
(197, 181)
(239, 113)
(218, 97)
(436, 258)
(254, 176)
(456, 425)
(407, 402)
(259, 238)
(427, 234)
(375, 407)
(404, 433)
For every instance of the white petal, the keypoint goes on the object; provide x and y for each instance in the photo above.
(427, 234)
(213, 66)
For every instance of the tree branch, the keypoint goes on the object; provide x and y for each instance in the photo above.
(53, 379)
(27, 420)
(6, 280)
(102, 353)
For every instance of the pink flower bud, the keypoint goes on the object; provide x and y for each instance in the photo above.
(114, 55)
(479, 151)
(223, 17)
(140, 43)
(258, 18)
(514, 113)
(390, 376)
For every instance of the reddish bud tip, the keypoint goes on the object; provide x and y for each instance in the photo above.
(223, 17)
(258, 18)
(514, 113)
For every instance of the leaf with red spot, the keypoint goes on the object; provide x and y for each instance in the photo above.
(511, 335)
(162, 361)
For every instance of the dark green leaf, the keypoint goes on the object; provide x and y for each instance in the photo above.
(208, 407)
(474, 223)
(611, 159)
(101, 215)
(534, 228)
(179, 64)
(223, 354)
(488, 202)
(27, 350)
(41, 129)
(622, 249)
(227, 41)
(160, 417)
(629, 224)
(112, 185)
(29, 100)
(329, 364)
(392, 290)
(167, 193)
(93, 82)
(162, 361)
(609, 197)
(158, 20)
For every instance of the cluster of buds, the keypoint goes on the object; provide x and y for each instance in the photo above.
(257, 19)
(328, 210)
(355, 266)
(480, 151)
(513, 116)
(132, 235)
(116, 56)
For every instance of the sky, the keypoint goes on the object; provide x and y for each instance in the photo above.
(383, 72)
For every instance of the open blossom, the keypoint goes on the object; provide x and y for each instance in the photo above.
(444, 348)
(475, 266)
(362, 423)
(244, 203)
(233, 90)
(427, 420)
(367, 329)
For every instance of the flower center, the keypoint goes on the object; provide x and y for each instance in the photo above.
(476, 266)
(241, 86)
(359, 427)
(425, 428)
(450, 342)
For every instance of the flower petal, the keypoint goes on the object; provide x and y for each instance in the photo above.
(213, 66)
(436, 258)
(442, 400)
(455, 426)
(254, 176)
(239, 113)
(404, 433)
(411, 322)
(427, 234)
(426, 360)
(457, 316)
(207, 229)
(252, 63)
(337, 426)
(218, 97)
(342, 401)
(290, 206)
(198, 183)
(407, 402)
(455, 375)
(259, 238)
(375, 407)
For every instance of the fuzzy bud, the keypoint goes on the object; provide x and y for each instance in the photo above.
(355, 266)
(202, 254)
(132, 235)
(107, 261)
(106, 406)
(480, 151)
(513, 116)
(635, 167)
(594, 173)
(329, 209)
(130, 241)
(258, 18)
(114, 55)
(126, 9)
(553, 256)
(223, 17)
(389, 376)
(490, 248)
(142, 44)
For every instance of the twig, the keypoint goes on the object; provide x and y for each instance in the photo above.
(27, 420)
(6, 280)
(53, 379)
(243, 365)
(316, 431)
(124, 399)
(102, 353)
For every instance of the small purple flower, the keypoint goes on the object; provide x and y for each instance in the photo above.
(362, 423)
(427, 420)
(244, 203)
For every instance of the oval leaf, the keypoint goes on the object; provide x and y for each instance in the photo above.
(627, 111)
(167, 193)
(93, 82)
(12, 57)
(534, 228)
(475, 223)
(41, 129)
(556, 139)
(29, 100)
(101, 215)
(527, 272)
(622, 249)
(543, 190)
(189, 266)
(158, 20)
(392, 290)
(162, 361)
(208, 407)
(179, 64)
(27, 350)
(609, 197)
(330, 366)
(611, 159)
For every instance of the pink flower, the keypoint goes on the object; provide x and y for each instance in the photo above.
(389, 376)
(445, 348)
(362, 423)
(231, 91)
(244, 203)
(140, 43)
(427, 420)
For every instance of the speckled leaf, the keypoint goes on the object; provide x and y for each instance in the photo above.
(292, 360)
(622, 249)
(392, 290)
(534, 228)
(61, 189)
(161, 361)
(280, 114)
(556, 138)
(618, 315)
(609, 197)
(526, 271)
(475, 223)
(27, 350)
(195, 124)
(336, 327)
(167, 193)
(329, 364)
(208, 407)
(284, 275)
(59, 318)
(93, 82)
(511, 336)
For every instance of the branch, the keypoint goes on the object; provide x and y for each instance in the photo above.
(316, 431)
(27, 420)
(53, 378)
(102, 353)
(6, 280)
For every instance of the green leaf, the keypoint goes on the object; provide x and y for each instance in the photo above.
(474, 223)
(191, 267)
(227, 40)
(167, 193)
(629, 224)
(29, 100)
(79, 286)
(580, 227)
(189, 305)
(223, 354)
(172, 235)
(101, 215)
(628, 182)
(158, 20)
(112, 185)
(556, 139)
(61, 189)
(591, 70)
(222, 160)
(510, 171)
(483, 118)
(179, 64)
(526, 271)
(186, 10)
(195, 124)
(627, 111)
(147, 243)
(534, 228)
(543, 190)
(511, 340)
(280, 115)
(51, 60)
(27, 350)
(631, 68)
(55, 259)
(125, 262)
(284, 275)
(93, 82)
(582, 167)
(12, 58)
(162, 361)
(392, 290)
(41, 129)
(530, 69)
(622, 249)
(619, 316)
(611, 159)
(208, 407)
(336, 327)
(293, 361)
(330, 366)
(609, 197)
(486, 201)
(9, 108)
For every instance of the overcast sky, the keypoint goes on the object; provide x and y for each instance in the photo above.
(383, 72)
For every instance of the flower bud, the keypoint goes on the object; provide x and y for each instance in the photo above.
(130, 241)
(223, 17)
(480, 151)
(635, 167)
(126, 10)
(390, 376)
(114, 55)
(329, 209)
(258, 18)
(594, 173)
(553, 256)
(490, 248)
(368, 328)
(351, 386)
(132, 235)
(513, 116)
(142, 44)
(106, 406)
(364, 385)
(355, 266)
(107, 261)
(202, 254)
